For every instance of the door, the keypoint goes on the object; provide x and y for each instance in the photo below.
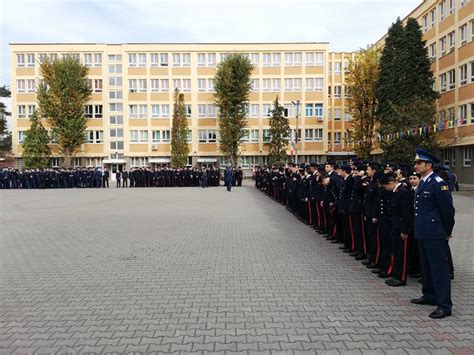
(114, 168)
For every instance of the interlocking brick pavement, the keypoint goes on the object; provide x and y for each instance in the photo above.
(203, 271)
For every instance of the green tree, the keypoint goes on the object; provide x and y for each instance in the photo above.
(5, 135)
(233, 85)
(279, 135)
(36, 151)
(61, 98)
(406, 99)
(179, 132)
(362, 104)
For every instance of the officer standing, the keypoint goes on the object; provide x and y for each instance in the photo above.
(434, 222)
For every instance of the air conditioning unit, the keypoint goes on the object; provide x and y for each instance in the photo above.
(154, 147)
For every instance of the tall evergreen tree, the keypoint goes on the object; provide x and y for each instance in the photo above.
(36, 152)
(362, 104)
(232, 85)
(5, 135)
(179, 132)
(62, 96)
(279, 135)
(406, 99)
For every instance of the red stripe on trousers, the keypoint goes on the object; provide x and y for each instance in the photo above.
(377, 257)
(404, 269)
(352, 233)
(363, 234)
(390, 268)
(310, 212)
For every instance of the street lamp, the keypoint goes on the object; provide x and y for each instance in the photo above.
(297, 103)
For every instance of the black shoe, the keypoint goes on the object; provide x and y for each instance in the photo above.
(343, 248)
(361, 257)
(422, 300)
(347, 251)
(395, 282)
(383, 275)
(415, 276)
(452, 276)
(438, 313)
(376, 271)
(335, 242)
(420, 280)
(354, 254)
(366, 262)
(371, 266)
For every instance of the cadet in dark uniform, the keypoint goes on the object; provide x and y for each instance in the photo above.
(434, 222)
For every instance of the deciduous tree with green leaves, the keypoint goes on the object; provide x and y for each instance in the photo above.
(279, 135)
(62, 95)
(232, 85)
(361, 82)
(36, 151)
(5, 135)
(179, 132)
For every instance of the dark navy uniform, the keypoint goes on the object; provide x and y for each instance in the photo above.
(434, 222)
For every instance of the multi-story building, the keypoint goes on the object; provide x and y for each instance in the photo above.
(448, 29)
(130, 110)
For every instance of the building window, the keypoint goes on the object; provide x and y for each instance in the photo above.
(254, 135)
(132, 60)
(452, 6)
(452, 41)
(21, 136)
(309, 110)
(98, 111)
(433, 51)
(442, 44)
(255, 85)
(115, 69)
(116, 133)
(463, 34)
(143, 112)
(20, 60)
(142, 59)
(337, 91)
(463, 74)
(176, 59)
(201, 85)
(210, 85)
(143, 136)
(267, 110)
(155, 136)
(89, 111)
(318, 110)
(201, 59)
(337, 114)
(337, 68)
(190, 136)
(188, 110)
(141, 85)
(21, 111)
(463, 114)
(337, 137)
(134, 136)
(165, 110)
(472, 72)
(266, 136)
(89, 136)
(55, 162)
(202, 136)
(442, 81)
(318, 134)
(163, 59)
(254, 110)
(452, 79)
(433, 17)
(425, 23)
(116, 107)
(99, 136)
(116, 120)
(202, 110)
(467, 156)
(472, 112)
(154, 59)
(308, 135)
(442, 9)
(211, 59)
(211, 135)
(255, 59)
(186, 59)
(115, 81)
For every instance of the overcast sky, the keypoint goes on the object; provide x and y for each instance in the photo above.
(346, 24)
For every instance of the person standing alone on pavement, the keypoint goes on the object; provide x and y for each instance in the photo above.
(228, 175)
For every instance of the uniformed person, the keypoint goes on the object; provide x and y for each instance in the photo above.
(434, 222)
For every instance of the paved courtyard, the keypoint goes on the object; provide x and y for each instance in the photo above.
(193, 270)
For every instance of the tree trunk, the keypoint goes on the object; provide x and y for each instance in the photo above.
(67, 158)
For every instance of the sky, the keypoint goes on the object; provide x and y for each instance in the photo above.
(346, 24)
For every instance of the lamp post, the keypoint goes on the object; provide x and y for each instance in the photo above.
(297, 103)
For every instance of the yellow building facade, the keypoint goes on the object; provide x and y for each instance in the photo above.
(130, 110)
(448, 29)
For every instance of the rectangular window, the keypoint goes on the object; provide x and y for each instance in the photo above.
(254, 110)
(267, 84)
(472, 112)
(132, 60)
(309, 110)
(97, 85)
(165, 110)
(267, 110)
(442, 9)
(202, 136)
(98, 60)
(337, 68)
(255, 85)
(155, 85)
(88, 59)
(177, 84)
(20, 60)
(211, 110)
(467, 155)
(142, 59)
(267, 59)
(288, 84)
(89, 136)
(337, 114)
(164, 59)
(155, 136)
(463, 34)
(212, 135)
(21, 111)
(245, 136)
(223, 56)
(433, 51)
(186, 59)
(116, 107)
(98, 109)
(310, 84)
(115, 58)
(143, 136)
(211, 59)
(319, 58)
(116, 120)
(452, 6)
(318, 84)
(142, 111)
(452, 41)
(155, 111)
(442, 44)
(165, 85)
(297, 84)
(318, 135)
(463, 74)
(254, 135)
(210, 85)
(134, 136)
(318, 110)
(115, 69)
(337, 137)
(310, 57)
(31, 110)
(288, 58)
(31, 85)
(201, 59)
(337, 91)
(154, 59)
(276, 59)
(202, 110)
(115, 81)
(452, 79)
(132, 111)
(433, 17)
(201, 85)
(442, 82)
(186, 85)
(463, 114)
(99, 136)
(89, 111)
(176, 59)
(188, 110)
(425, 23)
(141, 85)
(255, 59)
(308, 135)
